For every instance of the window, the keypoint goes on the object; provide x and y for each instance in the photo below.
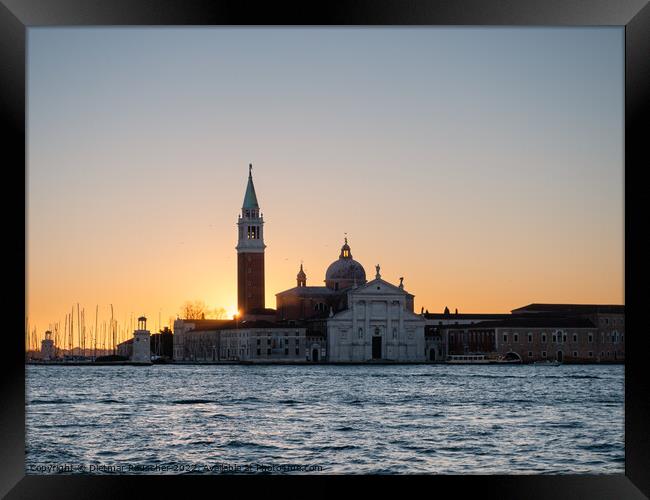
(564, 338)
(297, 350)
(591, 338)
(268, 351)
(286, 351)
(554, 338)
(505, 337)
(530, 354)
(575, 354)
(543, 354)
(530, 338)
(543, 337)
(394, 333)
(591, 354)
(516, 337)
(575, 337)
(360, 332)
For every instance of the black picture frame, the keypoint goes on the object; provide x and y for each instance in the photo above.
(18, 15)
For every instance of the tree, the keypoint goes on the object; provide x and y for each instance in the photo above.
(193, 310)
(198, 310)
(218, 313)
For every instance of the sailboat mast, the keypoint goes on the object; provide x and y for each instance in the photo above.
(96, 313)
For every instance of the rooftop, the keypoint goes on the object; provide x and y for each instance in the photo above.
(571, 308)
(452, 316)
(530, 322)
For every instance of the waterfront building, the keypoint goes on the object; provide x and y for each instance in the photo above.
(378, 324)
(141, 343)
(530, 339)
(47, 347)
(185, 342)
(244, 341)
(436, 324)
(608, 344)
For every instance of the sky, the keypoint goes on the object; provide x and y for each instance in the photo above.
(484, 165)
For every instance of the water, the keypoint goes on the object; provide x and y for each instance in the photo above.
(438, 419)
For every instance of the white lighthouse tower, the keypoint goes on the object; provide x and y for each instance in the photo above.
(141, 343)
(47, 347)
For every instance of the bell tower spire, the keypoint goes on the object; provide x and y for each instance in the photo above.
(301, 277)
(250, 252)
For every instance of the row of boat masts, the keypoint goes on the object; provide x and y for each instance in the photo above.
(78, 338)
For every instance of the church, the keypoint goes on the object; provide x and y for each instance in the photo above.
(349, 319)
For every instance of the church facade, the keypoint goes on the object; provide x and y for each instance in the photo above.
(378, 325)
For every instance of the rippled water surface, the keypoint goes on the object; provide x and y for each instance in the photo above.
(342, 419)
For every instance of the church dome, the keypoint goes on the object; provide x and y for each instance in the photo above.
(344, 272)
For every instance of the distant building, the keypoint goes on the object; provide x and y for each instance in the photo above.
(185, 345)
(608, 344)
(437, 323)
(47, 347)
(569, 333)
(245, 341)
(141, 351)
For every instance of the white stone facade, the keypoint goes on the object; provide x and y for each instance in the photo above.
(141, 346)
(377, 325)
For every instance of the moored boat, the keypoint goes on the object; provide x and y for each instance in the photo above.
(548, 362)
(467, 359)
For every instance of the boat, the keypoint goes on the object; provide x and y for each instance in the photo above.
(467, 359)
(511, 358)
(548, 362)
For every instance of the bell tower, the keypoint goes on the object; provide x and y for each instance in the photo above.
(250, 252)
(301, 277)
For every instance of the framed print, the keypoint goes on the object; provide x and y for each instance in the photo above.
(384, 242)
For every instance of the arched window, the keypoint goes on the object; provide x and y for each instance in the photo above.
(360, 332)
(394, 333)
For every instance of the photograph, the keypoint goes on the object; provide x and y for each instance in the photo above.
(325, 250)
